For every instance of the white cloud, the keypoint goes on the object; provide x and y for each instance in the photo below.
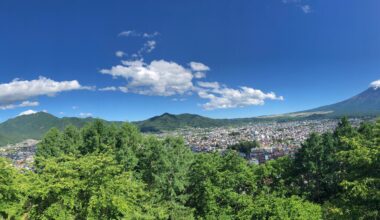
(199, 75)
(18, 90)
(164, 78)
(74, 107)
(167, 78)
(290, 1)
(133, 33)
(200, 67)
(20, 105)
(160, 77)
(28, 112)
(85, 115)
(151, 35)
(119, 53)
(306, 9)
(375, 84)
(149, 46)
(178, 99)
(209, 85)
(129, 33)
(222, 97)
(106, 89)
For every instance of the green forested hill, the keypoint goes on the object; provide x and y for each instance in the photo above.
(34, 126)
(170, 122)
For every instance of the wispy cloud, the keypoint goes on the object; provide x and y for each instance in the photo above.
(110, 88)
(196, 66)
(302, 4)
(129, 33)
(133, 33)
(306, 9)
(119, 53)
(85, 114)
(19, 105)
(148, 46)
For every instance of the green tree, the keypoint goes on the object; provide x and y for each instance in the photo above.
(89, 187)
(316, 170)
(72, 139)
(344, 129)
(267, 206)
(128, 141)
(13, 186)
(164, 166)
(276, 177)
(51, 145)
(360, 197)
(221, 186)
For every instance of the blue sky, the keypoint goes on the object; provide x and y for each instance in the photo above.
(217, 58)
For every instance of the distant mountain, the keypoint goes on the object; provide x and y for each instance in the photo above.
(171, 122)
(366, 103)
(33, 126)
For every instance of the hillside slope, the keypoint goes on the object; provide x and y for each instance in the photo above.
(34, 126)
(171, 122)
(366, 103)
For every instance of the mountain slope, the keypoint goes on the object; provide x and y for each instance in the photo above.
(366, 103)
(34, 126)
(170, 122)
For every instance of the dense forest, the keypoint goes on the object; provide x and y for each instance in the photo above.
(113, 172)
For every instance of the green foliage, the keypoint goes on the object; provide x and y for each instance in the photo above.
(316, 168)
(360, 197)
(220, 186)
(90, 187)
(341, 171)
(164, 165)
(267, 206)
(12, 190)
(275, 177)
(128, 141)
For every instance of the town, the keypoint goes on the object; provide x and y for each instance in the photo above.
(276, 139)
